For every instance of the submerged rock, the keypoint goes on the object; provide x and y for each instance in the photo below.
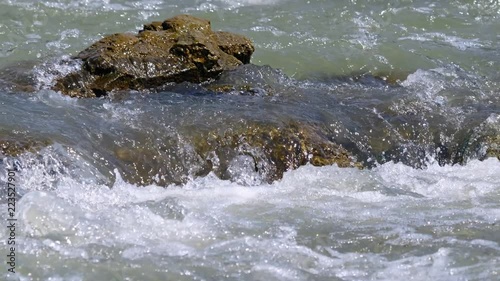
(493, 147)
(259, 151)
(272, 150)
(17, 77)
(182, 48)
(15, 147)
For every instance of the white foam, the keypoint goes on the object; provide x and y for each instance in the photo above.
(477, 178)
(251, 2)
(122, 113)
(46, 73)
(428, 267)
(218, 5)
(459, 43)
(267, 228)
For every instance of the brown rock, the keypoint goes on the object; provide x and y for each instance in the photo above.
(15, 147)
(267, 150)
(274, 149)
(154, 26)
(182, 48)
(238, 46)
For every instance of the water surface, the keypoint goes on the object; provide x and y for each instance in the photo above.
(413, 215)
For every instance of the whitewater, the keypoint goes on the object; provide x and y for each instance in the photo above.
(362, 69)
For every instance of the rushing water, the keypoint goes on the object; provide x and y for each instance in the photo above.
(411, 216)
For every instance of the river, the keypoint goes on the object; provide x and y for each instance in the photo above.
(401, 83)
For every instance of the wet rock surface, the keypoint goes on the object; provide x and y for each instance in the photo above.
(16, 146)
(270, 150)
(493, 147)
(262, 152)
(359, 121)
(180, 49)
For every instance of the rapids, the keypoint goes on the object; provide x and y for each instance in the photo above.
(411, 87)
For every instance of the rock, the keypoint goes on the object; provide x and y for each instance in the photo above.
(493, 147)
(151, 161)
(482, 147)
(154, 26)
(182, 48)
(274, 149)
(235, 45)
(15, 147)
(261, 149)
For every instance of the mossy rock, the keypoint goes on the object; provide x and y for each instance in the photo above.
(274, 149)
(148, 162)
(15, 147)
(493, 146)
(180, 49)
(271, 149)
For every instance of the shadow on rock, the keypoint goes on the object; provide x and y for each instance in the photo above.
(180, 49)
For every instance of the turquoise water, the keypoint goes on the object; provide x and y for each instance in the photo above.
(300, 37)
(410, 218)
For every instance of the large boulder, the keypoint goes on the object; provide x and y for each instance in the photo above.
(182, 48)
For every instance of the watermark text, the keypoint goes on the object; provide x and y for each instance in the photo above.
(11, 221)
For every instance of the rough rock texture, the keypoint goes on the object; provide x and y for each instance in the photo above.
(263, 151)
(492, 145)
(15, 147)
(182, 48)
(272, 150)
(161, 161)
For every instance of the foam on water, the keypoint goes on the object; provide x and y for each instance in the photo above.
(47, 73)
(223, 5)
(393, 222)
(461, 44)
(251, 2)
(317, 223)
